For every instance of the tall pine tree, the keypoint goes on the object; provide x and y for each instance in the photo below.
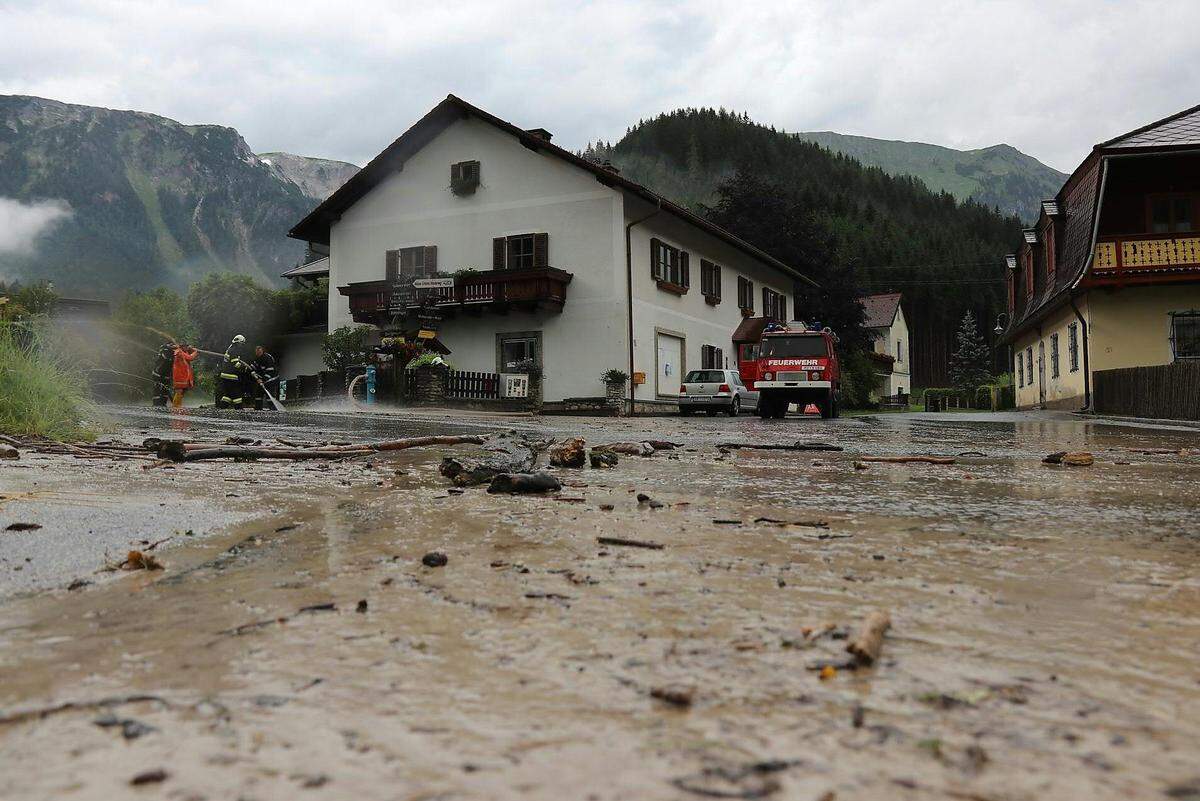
(970, 360)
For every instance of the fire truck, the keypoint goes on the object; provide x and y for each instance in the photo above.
(793, 363)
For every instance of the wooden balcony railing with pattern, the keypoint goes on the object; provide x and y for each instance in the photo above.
(1139, 252)
(539, 287)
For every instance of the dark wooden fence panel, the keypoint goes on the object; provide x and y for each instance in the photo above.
(462, 384)
(1169, 391)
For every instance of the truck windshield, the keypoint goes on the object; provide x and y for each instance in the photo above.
(794, 347)
(704, 376)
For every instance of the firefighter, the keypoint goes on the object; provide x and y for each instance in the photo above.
(231, 381)
(264, 367)
(182, 377)
(163, 362)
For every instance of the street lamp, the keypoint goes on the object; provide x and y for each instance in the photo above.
(1001, 323)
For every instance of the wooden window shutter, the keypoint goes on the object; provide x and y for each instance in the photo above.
(766, 310)
(655, 272)
(430, 260)
(541, 250)
(391, 265)
(499, 250)
(685, 275)
(782, 303)
(716, 280)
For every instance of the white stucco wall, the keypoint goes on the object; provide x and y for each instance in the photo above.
(885, 340)
(300, 354)
(701, 324)
(521, 191)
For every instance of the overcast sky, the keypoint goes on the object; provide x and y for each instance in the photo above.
(341, 80)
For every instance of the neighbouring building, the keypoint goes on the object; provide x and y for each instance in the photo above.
(554, 258)
(884, 321)
(1109, 275)
(299, 349)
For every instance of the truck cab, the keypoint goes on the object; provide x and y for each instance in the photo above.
(797, 364)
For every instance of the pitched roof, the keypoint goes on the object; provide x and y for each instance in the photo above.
(880, 310)
(317, 267)
(1182, 128)
(315, 227)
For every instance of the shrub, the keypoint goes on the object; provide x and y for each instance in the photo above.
(346, 346)
(427, 359)
(43, 393)
(858, 380)
(614, 376)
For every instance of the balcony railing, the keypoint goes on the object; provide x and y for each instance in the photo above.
(543, 287)
(1147, 252)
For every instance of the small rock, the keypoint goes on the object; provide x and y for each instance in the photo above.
(857, 716)
(602, 459)
(568, 453)
(1070, 458)
(606, 507)
(680, 695)
(154, 776)
(434, 559)
(362, 606)
(22, 527)
(9, 452)
(860, 465)
(524, 483)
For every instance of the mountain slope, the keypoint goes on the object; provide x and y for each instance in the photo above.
(999, 176)
(150, 201)
(317, 178)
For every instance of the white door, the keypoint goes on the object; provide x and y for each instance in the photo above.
(670, 364)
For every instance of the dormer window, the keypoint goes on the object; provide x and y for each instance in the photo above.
(464, 178)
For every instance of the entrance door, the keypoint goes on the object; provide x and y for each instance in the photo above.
(1042, 373)
(669, 358)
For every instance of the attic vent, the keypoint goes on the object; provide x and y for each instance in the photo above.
(541, 133)
(1050, 207)
(1031, 236)
(464, 178)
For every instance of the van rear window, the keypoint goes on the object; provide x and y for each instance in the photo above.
(793, 347)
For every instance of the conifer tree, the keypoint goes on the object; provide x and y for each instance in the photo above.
(970, 360)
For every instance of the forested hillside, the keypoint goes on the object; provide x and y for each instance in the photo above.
(883, 232)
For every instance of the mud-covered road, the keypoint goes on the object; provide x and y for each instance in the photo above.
(1045, 639)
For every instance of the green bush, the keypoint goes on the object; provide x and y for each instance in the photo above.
(43, 392)
(346, 346)
(858, 380)
(985, 398)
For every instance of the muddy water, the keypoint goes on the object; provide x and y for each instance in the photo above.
(1045, 641)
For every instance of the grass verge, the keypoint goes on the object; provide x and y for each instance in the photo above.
(43, 393)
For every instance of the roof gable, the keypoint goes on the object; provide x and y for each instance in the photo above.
(880, 310)
(315, 227)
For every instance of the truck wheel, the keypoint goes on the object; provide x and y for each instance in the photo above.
(764, 407)
(833, 405)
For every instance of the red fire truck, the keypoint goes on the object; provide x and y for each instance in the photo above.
(792, 364)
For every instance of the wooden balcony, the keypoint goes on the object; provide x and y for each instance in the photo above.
(490, 290)
(1147, 254)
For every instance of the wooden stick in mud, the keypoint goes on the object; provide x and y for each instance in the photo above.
(797, 446)
(867, 644)
(907, 459)
(654, 546)
(187, 452)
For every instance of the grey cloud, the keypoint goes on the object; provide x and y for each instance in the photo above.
(343, 81)
(22, 223)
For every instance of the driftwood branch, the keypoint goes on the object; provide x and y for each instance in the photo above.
(188, 452)
(654, 546)
(868, 642)
(908, 459)
(797, 446)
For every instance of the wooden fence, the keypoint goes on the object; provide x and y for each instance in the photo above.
(462, 384)
(1168, 391)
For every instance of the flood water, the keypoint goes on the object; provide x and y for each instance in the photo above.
(1045, 638)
